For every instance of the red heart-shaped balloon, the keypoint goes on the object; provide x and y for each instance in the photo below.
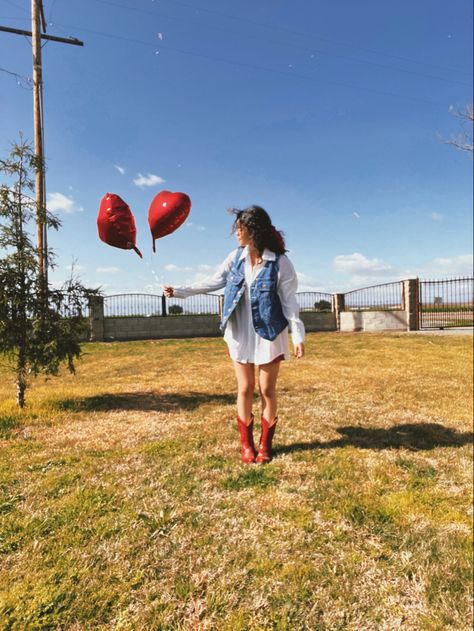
(166, 213)
(116, 224)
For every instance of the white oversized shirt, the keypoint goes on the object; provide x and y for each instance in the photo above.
(245, 345)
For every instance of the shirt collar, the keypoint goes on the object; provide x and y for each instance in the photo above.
(267, 255)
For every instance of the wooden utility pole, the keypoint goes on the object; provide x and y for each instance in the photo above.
(38, 21)
(36, 7)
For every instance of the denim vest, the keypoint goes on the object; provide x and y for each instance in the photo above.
(267, 314)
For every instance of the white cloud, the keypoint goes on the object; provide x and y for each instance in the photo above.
(308, 283)
(108, 270)
(360, 265)
(120, 169)
(202, 275)
(57, 202)
(461, 265)
(148, 180)
(171, 267)
(195, 275)
(436, 216)
(356, 215)
(152, 288)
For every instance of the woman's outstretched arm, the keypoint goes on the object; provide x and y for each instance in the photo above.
(213, 283)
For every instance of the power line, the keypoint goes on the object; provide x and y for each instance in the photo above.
(331, 41)
(18, 6)
(260, 68)
(289, 31)
(290, 44)
(50, 15)
(20, 78)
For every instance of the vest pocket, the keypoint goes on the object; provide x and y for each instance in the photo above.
(235, 279)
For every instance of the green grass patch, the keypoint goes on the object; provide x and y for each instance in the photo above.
(124, 504)
(252, 476)
(9, 424)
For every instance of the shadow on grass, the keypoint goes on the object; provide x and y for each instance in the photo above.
(147, 401)
(8, 425)
(413, 436)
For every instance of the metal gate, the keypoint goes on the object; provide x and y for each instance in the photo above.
(446, 303)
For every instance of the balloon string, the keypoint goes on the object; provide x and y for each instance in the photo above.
(157, 280)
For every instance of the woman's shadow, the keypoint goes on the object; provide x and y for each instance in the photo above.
(141, 401)
(412, 436)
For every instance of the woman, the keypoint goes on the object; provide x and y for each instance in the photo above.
(259, 305)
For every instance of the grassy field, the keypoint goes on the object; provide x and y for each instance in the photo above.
(123, 503)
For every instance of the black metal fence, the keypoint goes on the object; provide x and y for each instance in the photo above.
(148, 305)
(202, 304)
(314, 301)
(386, 297)
(128, 305)
(441, 303)
(75, 307)
(446, 303)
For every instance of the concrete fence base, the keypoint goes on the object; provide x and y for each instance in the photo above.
(141, 328)
(373, 321)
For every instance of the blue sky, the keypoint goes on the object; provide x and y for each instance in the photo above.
(331, 115)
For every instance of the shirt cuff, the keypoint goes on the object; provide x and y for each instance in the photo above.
(181, 292)
(297, 332)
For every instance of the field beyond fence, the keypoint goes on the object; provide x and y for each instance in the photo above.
(123, 504)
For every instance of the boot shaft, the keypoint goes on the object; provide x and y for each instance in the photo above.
(265, 442)
(246, 440)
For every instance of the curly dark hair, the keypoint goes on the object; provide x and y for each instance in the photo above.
(262, 232)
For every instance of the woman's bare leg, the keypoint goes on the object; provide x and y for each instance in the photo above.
(245, 374)
(267, 380)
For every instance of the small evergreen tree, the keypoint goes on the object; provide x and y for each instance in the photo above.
(40, 327)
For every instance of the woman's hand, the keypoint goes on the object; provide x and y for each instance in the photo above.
(299, 350)
(168, 291)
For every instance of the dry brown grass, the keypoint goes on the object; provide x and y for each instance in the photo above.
(123, 504)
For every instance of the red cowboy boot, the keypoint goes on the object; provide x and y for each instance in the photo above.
(265, 444)
(246, 440)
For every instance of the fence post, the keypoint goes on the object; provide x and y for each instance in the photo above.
(338, 306)
(221, 305)
(163, 305)
(96, 318)
(411, 293)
